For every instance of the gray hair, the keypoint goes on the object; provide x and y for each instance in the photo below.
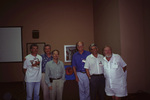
(78, 43)
(90, 47)
(33, 45)
(46, 46)
(106, 47)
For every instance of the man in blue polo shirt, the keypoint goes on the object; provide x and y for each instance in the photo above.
(78, 61)
(46, 57)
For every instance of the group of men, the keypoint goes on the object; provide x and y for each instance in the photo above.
(96, 74)
(45, 70)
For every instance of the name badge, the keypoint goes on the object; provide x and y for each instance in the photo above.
(100, 64)
(83, 61)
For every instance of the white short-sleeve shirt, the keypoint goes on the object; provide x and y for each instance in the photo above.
(95, 65)
(33, 74)
(113, 72)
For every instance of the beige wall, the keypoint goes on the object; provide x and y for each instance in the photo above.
(106, 24)
(124, 25)
(59, 22)
(132, 42)
(134, 26)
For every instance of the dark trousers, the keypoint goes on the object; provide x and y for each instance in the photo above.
(97, 87)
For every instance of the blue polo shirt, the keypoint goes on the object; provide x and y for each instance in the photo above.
(45, 59)
(78, 60)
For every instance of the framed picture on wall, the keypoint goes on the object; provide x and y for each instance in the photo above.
(40, 47)
(69, 50)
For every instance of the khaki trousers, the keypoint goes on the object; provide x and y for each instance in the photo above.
(45, 88)
(57, 89)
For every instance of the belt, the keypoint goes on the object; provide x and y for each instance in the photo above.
(98, 75)
(55, 78)
(82, 72)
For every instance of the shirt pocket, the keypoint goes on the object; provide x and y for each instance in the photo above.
(115, 65)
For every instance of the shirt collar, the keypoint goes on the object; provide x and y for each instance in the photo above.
(34, 56)
(58, 61)
(106, 59)
(82, 53)
(98, 55)
(47, 56)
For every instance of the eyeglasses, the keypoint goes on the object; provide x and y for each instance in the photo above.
(79, 45)
(94, 49)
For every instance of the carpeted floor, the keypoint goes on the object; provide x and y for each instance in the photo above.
(16, 91)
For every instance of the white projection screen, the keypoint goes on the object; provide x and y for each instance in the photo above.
(10, 44)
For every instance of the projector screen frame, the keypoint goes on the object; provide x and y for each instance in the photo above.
(21, 43)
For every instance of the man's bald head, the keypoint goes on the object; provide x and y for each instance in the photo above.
(79, 43)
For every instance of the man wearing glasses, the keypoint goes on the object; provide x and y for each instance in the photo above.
(94, 69)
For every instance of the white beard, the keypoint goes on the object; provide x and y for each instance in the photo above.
(107, 56)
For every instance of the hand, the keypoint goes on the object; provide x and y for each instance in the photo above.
(89, 78)
(38, 63)
(77, 79)
(50, 87)
(124, 68)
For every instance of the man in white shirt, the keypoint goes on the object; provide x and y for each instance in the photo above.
(115, 73)
(32, 69)
(94, 70)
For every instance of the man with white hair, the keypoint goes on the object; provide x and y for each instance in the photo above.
(46, 57)
(115, 73)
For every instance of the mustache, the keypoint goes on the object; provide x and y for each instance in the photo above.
(108, 56)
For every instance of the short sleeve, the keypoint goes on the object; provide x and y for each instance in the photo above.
(41, 59)
(121, 61)
(25, 65)
(27, 62)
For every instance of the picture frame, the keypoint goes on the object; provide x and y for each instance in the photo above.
(40, 47)
(69, 50)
